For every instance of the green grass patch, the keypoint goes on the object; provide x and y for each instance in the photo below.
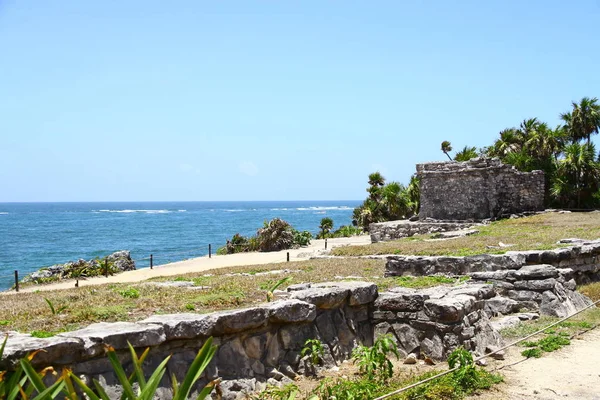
(130, 293)
(539, 232)
(42, 334)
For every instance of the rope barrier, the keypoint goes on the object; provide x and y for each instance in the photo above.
(404, 389)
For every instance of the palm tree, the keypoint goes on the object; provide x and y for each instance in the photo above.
(584, 120)
(376, 179)
(325, 226)
(414, 193)
(446, 148)
(466, 154)
(578, 176)
(395, 201)
(508, 142)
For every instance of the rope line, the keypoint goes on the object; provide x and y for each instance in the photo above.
(385, 396)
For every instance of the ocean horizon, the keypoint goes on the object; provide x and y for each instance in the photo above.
(39, 234)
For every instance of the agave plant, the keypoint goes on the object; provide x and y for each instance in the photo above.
(146, 388)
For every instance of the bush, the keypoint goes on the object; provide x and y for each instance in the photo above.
(301, 238)
(275, 235)
(347, 231)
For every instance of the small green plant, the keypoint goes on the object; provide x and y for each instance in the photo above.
(130, 293)
(5, 322)
(55, 311)
(42, 334)
(344, 389)
(466, 375)
(314, 349)
(273, 288)
(373, 361)
(190, 307)
(286, 392)
(532, 353)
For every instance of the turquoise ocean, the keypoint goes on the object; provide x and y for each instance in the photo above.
(34, 235)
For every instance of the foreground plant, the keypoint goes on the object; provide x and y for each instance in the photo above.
(373, 361)
(313, 348)
(146, 388)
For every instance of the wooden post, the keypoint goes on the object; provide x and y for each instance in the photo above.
(151, 261)
(209, 250)
(16, 280)
(325, 243)
(106, 267)
(288, 256)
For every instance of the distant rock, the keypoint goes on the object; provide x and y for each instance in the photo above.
(118, 262)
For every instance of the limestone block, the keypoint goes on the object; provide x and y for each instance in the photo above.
(117, 335)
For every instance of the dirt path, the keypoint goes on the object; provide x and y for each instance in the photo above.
(572, 372)
(204, 263)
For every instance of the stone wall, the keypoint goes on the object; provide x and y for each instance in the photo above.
(262, 344)
(583, 258)
(477, 189)
(392, 230)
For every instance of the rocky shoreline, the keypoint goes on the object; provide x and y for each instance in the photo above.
(116, 262)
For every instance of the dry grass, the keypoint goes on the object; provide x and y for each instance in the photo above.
(27, 312)
(591, 290)
(540, 232)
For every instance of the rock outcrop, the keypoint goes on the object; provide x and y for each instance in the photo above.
(119, 261)
(392, 230)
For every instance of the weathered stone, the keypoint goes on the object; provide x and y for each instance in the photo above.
(432, 347)
(255, 346)
(479, 291)
(291, 311)
(294, 336)
(298, 286)
(570, 285)
(541, 271)
(477, 189)
(399, 301)
(449, 309)
(524, 295)
(240, 320)
(324, 298)
(117, 335)
(407, 337)
(57, 350)
(541, 285)
(360, 292)
(183, 326)
(500, 305)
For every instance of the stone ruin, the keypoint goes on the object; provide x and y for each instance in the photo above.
(477, 189)
(455, 195)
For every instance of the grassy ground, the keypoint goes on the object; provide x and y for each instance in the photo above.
(77, 307)
(539, 232)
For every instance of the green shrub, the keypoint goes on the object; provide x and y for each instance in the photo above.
(373, 361)
(347, 231)
(130, 293)
(301, 238)
(275, 235)
(314, 349)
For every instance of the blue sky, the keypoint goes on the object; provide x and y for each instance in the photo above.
(270, 100)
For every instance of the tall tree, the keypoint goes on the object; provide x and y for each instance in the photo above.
(584, 119)
(447, 148)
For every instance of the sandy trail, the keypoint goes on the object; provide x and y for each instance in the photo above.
(572, 372)
(204, 263)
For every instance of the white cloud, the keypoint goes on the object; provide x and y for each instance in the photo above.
(248, 168)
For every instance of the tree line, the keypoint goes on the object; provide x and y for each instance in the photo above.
(565, 153)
